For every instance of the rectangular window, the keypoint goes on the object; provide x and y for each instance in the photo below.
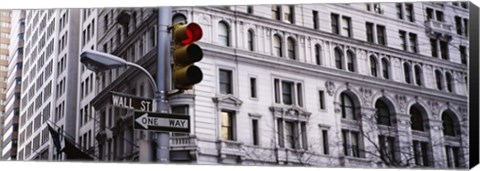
(409, 12)
(325, 142)
(387, 148)
(413, 42)
(335, 26)
(276, 12)
(277, 90)
(458, 25)
(321, 97)
(250, 9)
(303, 134)
(225, 81)
(444, 49)
(420, 152)
(280, 133)
(351, 143)
(355, 144)
(153, 37)
(346, 26)
(288, 14)
(381, 36)
(452, 156)
(227, 125)
(464, 5)
(290, 135)
(315, 19)
(287, 92)
(253, 87)
(299, 95)
(429, 14)
(105, 23)
(255, 140)
(180, 109)
(463, 54)
(465, 27)
(399, 7)
(369, 27)
(403, 39)
(433, 46)
(439, 15)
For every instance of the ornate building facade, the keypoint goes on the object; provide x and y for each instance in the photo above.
(369, 85)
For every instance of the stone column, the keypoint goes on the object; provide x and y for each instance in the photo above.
(437, 143)
(370, 134)
(404, 136)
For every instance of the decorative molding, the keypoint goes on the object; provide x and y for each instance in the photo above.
(228, 99)
(402, 102)
(255, 115)
(366, 95)
(330, 87)
(292, 112)
(434, 107)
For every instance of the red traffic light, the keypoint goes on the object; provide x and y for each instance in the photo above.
(188, 34)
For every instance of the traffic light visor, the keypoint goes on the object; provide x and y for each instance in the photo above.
(193, 33)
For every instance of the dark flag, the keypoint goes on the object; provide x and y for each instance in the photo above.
(55, 138)
(73, 153)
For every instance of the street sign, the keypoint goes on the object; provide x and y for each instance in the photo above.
(131, 102)
(162, 122)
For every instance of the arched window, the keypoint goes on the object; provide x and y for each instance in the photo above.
(448, 77)
(179, 18)
(350, 61)
(383, 113)
(448, 124)
(418, 75)
(338, 58)
(250, 40)
(277, 46)
(406, 71)
(291, 48)
(385, 69)
(348, 108)
(223, 34)
(318, 53)
(439, 79)
(416, 118)
(373, 66)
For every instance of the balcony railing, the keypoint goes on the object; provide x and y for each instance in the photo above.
(183, 142)
(439, 27)
(230, 148)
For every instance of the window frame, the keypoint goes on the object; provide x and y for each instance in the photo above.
(229, 83)
(224, 35)
(231, 127)
(296, 97)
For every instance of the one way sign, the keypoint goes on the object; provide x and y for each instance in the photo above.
(162, 122)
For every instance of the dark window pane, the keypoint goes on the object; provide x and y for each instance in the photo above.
(225, 82)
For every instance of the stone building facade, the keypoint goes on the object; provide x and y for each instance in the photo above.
(370, 85)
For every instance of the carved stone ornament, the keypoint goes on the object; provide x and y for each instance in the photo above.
(434, 108)
(366, 95)
(330, 86)
(402, 102)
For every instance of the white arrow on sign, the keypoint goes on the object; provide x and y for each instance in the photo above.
(146, 121)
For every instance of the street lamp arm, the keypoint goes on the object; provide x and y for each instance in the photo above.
(152, 81)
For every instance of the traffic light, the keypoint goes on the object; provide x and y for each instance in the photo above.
(185, 53)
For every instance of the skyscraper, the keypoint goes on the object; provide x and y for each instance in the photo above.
(49, 81)
(12, 109)
(4, 44)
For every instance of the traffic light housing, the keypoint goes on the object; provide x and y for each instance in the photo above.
(185, 54)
